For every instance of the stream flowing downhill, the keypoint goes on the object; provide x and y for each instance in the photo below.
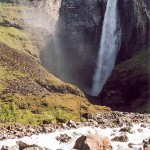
(128, 130)
(109, 45)
(50, 140)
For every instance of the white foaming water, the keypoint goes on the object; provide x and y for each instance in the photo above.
(110, 42)
(49, 140)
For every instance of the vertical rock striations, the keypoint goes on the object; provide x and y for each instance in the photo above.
(135, 24)
(128, 86)
(80, 26)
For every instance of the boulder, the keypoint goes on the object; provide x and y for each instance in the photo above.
(4, 147)
(122, 138)
(140, 130)
(72, 124)
(23, 145)
(93, 142)
(125, 129)
(143, 125)
(146, 144)
(94, 123)
(147, 147)
(87, 116)
(63, 138)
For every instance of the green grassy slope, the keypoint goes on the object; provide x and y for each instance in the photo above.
(27, 90)
(13, 29)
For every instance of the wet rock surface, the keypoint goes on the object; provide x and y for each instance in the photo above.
(122, 138)
(26, 146)
(63, 138)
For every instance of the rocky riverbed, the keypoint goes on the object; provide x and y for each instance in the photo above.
(124, 131)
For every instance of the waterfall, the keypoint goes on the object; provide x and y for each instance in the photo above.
(109, 45)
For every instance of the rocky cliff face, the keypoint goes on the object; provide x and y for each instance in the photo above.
(135, 24)
(79, 31)
(74, 33)
(79, 27)
(128, 86)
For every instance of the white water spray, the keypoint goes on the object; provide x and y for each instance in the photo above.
(109, 45)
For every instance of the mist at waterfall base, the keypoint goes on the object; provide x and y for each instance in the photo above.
(109, 45)
(43, 16)
(62, 62)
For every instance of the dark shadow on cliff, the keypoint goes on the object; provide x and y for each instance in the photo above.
(128, 88)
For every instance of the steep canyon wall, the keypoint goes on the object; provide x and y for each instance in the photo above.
(72, 48)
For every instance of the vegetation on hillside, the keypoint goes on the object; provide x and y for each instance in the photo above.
(28, 92)
(13, 30)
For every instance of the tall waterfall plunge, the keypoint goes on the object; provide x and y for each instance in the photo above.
(109, 45)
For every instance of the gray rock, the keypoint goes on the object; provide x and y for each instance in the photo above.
(23, 145)
(122, 138)
(72, 124)
(9, 148)
(146, 144)
(125, 129)
(63, 138)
